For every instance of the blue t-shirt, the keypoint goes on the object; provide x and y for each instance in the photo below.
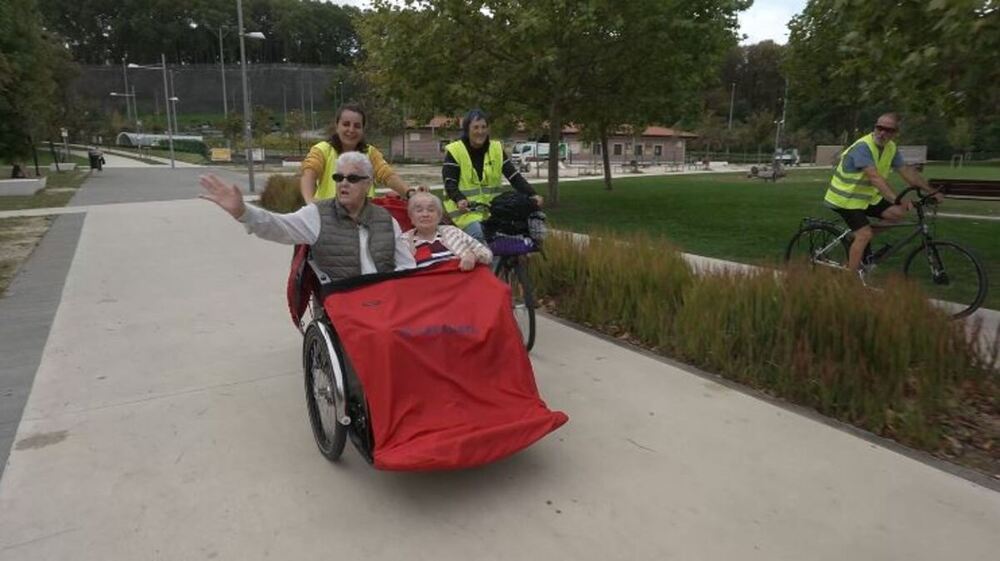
(860, 157)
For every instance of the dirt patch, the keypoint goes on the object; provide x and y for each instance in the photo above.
(18, 238)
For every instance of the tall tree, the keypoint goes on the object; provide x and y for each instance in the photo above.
(539, 60)
(850, 59)
(301, 31)
(31, 61)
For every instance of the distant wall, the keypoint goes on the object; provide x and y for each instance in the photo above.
(199, 88)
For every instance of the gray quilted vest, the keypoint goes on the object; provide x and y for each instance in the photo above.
(337, 251)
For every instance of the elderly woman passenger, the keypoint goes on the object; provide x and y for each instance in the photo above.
(430, 242)
(349, 235)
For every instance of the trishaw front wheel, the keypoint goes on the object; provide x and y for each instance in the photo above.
(317, 364)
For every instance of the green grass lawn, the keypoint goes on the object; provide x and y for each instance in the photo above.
(731, 217)
(44, 159)
(59, 189)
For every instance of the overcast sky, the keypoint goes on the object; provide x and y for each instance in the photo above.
(766, 19)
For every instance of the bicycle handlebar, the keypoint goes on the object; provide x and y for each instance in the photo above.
(922, 200)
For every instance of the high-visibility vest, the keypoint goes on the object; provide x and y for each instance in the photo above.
(326, 187)
(475, 188)
(853, 190)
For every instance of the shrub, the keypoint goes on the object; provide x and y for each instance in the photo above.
(887, 361)
(634, 284)
(282, 194)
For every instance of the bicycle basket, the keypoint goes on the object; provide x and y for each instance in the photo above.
(503, 245)
(537, 229)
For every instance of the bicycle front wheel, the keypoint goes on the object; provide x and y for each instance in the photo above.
(818, 244)
(949, 274)
(515, 274)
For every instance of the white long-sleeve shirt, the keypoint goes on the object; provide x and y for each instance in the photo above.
(303, 225)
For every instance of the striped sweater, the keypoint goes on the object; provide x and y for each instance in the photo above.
(456, 241)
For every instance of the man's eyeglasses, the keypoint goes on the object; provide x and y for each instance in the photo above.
(352, 178)
(880, 128)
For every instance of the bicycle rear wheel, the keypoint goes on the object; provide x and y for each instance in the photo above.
(950, 274)
(817, 244)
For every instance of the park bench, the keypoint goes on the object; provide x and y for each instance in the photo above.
(968, 188)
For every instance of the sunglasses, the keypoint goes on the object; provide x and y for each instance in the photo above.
(880, 128)
(338, 177)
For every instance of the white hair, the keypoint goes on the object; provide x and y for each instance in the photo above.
(356, 158)
(425, 195)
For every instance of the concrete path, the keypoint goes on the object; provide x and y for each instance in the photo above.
(115, 161)
(167, 421)
(124, 155)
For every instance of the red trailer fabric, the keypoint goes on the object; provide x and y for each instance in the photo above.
(448, 381)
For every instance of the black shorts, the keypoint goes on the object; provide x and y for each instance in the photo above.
(857, 218)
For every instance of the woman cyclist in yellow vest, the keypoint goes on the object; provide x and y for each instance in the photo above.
(859, 188)
(473, 170)
(348, 135)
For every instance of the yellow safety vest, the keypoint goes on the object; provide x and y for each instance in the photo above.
(475, 188)
(854, 190)
(326, 186)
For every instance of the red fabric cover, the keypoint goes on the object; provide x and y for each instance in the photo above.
(301, 283)
(448, 381)
(397, 208)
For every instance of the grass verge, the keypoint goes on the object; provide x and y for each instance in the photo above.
(728, 216)
(894, 366)
(18, 237)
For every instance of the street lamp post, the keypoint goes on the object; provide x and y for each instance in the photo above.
(128, 114)
(247, 130)
(732, 97)
(173, 102)
(222, 67)
(166, 97)
(126, 96)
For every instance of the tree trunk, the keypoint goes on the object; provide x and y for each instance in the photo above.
(606, 158)
(555, 129)
(34, 156)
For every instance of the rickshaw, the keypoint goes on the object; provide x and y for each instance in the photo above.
(422, 369)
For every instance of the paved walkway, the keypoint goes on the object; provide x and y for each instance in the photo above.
(115, 161)
(128, 157)
(166, 421)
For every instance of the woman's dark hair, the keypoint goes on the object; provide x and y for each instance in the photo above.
(473, 115)
(334, 139)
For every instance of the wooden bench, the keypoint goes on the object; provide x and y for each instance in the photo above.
(968, 188)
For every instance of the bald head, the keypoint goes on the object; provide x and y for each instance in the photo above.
(886, 128)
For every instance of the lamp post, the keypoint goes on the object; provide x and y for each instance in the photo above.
(172, 106)
(126, 96)
(222, 66)
(128, 115)
(166, 96)
(247, 130)
(173, 102)
(732, 97)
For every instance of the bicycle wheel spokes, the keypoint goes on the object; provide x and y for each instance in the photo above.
(950, 274)
(818, 244)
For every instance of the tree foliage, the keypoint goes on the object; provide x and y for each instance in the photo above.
(602, 62)
(850, 59)
(33, 69)
(301, 31)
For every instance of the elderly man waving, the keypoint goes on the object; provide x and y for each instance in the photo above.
(349, 235)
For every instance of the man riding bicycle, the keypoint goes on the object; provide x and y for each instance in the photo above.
(860, 188)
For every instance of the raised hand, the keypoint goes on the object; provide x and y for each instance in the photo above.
(228, 197)
(467, 262)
